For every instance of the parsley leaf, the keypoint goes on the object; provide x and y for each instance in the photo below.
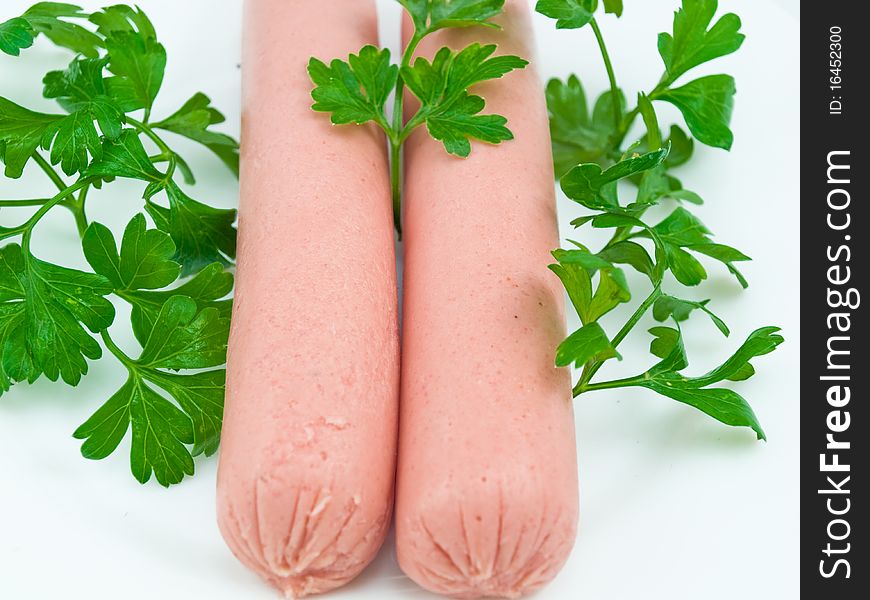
(587, 343)
(680, 231)
(706, 105)
(678, 309)
(193, 121)
(21, 133)
(206, 288)
(650, 121)
(589, 161)
(182, 338)
(578, 284)
(126, 157)
(80, 90)
(585, 182)
(576, 269)
(202, 234)
(664, 341)
(463, 13)
(160, 432)
(134, 53)
(15, 35)
(685, 267)
(722, 404)
(682, 147)
(569, 14)
(81, 82)
(354, 91)
(613, 7)
(456, 124)
(431, 15)
(450, 113)
(144, 262)
(46, 18)
(612, 290)
(692, 43)
(74, 137)
(10, 317)
(418, 10)
(629, 253)
(201, 396)
(46, 308)
(144, 265)
(450, 73)
(578, 137)
(172, 399)
(584, 258)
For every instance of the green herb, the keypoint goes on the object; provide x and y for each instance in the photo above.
(356, 90)
(590, 159)
(173, 275)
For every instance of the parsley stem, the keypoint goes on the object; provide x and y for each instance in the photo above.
(620, 235)
(609, 385)
(158, 141)
(78, 208)
(116, 351)
(632, 321)
(614, 89)
(60, 197)
(7, 232)
(396, 184)
(49, 170)
(398, 101)
(25, 202)
(592, 368)
(625, 124)
(622, 129)
(396, 138)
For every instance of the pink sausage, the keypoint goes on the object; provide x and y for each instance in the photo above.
(308, 453)
(487, 496)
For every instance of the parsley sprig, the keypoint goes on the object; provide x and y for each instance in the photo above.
(356, 90)
(173, 275)
(590, 160)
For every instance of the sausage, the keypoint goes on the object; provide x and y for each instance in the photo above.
(307, 464)
(487, 495)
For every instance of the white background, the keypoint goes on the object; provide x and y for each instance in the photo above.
(674, 505)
